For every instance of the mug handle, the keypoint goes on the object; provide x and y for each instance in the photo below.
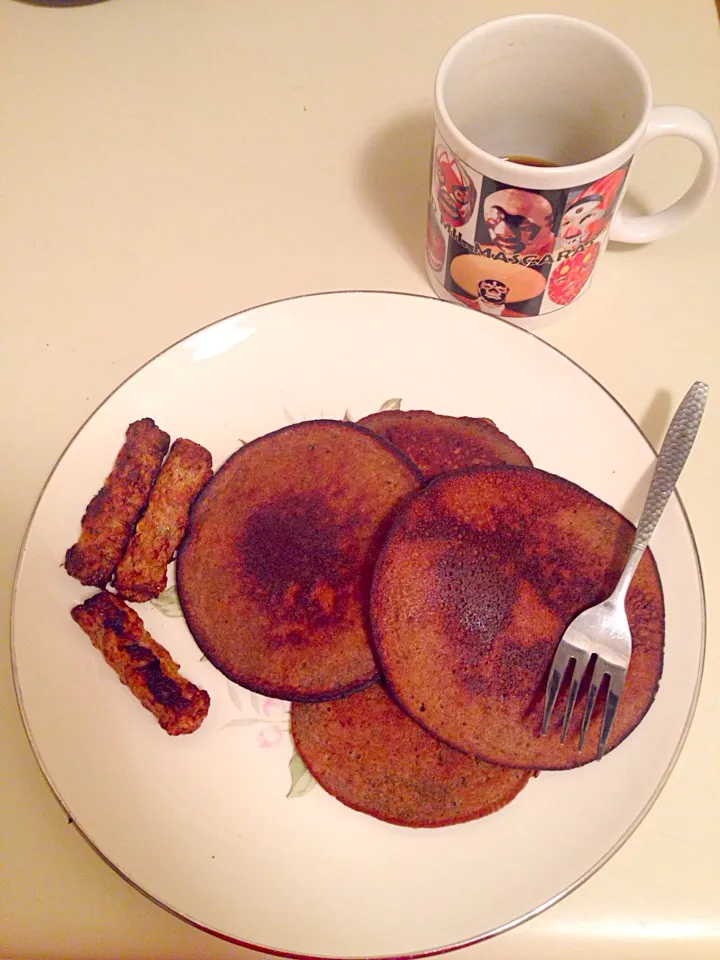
(670, 121)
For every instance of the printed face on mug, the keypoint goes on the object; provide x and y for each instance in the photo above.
(519, 221)
(492, 291)
(454, 190)
(526, 190)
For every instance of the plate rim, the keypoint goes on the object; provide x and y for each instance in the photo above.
(418, 954)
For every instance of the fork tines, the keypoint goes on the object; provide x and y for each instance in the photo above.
(565, 653)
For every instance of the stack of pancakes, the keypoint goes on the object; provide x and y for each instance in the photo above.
(404, 581)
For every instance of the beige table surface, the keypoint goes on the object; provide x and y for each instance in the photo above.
(167, 162)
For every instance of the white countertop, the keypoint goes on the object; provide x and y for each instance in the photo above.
(169, 162)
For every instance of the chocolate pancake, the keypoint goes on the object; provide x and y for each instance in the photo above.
(438, 444)
(274, 572)
(476, 582)
(366, 752)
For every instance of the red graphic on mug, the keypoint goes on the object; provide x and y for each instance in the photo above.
(569, 276)
(585, 220)
(491, 286)
(456, 194)
(434, 243)
(589, 213)
(519, 222)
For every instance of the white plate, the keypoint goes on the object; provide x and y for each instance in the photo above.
(202, 823)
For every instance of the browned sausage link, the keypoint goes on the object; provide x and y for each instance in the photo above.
(142, 663)
(112, 513)
(142, 572)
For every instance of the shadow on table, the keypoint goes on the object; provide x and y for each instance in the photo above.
(654, 424)
(59, 3)
(394, 178)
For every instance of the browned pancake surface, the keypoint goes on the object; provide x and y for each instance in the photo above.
(274, 573)
(476, 582)
(438, 444)
(366, 752)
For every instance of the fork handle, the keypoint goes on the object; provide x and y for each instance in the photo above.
(674, 452)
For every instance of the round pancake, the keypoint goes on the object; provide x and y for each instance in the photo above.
(476, 582)
(366, 752)
(438, 444)
(274, 572)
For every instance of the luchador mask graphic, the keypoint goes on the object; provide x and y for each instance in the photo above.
(590, 212)
(492, 291)
(493, 283)
(456, 194)
(570, 276)
(581, 222)
(519, 221)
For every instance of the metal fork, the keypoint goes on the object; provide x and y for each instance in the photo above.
(603, 631)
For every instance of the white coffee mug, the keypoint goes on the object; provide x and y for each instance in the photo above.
(517, 239)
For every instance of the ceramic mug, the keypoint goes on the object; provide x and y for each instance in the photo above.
(537, 120)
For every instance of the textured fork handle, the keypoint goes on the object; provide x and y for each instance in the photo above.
(674, 452)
